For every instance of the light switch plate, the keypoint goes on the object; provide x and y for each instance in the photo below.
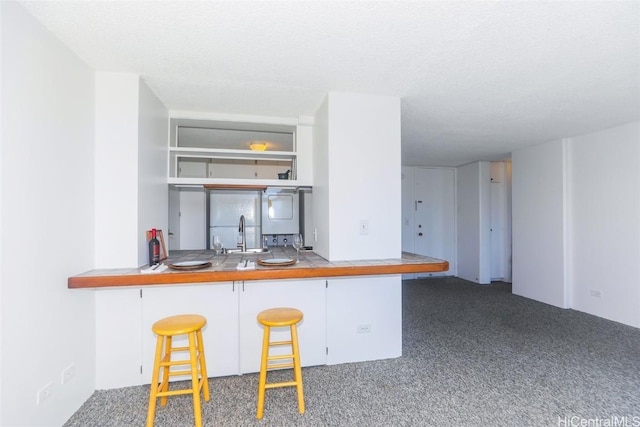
(364, 226)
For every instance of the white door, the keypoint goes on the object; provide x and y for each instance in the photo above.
(435, 220)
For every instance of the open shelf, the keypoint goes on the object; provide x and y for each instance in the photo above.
(210, 151)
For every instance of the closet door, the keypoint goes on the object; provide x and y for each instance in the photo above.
(435, 219)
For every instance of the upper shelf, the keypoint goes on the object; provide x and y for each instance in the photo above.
(232, 182)
(215, 152)
(210, 134)
(222, 153)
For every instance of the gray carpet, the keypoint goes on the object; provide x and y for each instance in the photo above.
(473, 356)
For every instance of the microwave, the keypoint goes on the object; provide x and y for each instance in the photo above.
(280, 211)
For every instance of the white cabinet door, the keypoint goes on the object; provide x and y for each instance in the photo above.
(193, 168)
(435, 215)
(125, 342)
(218, 302)
(270, 170)
(308, 296)
(232, 168)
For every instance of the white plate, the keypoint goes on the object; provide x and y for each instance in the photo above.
(189, 263)
(276, 262)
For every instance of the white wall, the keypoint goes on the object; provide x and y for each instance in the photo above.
(605, 223)
(357, 177)
(131, 168)
(474, 234)
(363, 172)
(501, 221)
(468, 242)
(47, 231)
(2, 137)
(321, 202)
(153, 195)
(508, 238)
(576, 223)
(116, 140)
(539, 223)
(304, 147)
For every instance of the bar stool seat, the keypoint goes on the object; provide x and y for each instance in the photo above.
(185, 324)
(280, 317)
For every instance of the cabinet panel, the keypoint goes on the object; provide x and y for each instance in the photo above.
(358, 318)
(217, 302)
(118, 337)
(231, 168)
(272, 169)
(364, 318)
(192, 168)
(308, 296)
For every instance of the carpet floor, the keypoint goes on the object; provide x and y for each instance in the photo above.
(473, 355)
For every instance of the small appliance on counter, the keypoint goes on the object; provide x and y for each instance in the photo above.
(284, 175)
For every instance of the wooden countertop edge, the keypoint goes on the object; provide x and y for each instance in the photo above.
(175, 278)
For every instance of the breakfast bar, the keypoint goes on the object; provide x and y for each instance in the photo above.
(310, 265)
(352, 309)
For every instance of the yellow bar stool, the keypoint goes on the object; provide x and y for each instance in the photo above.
(280, 317)
(185, 324)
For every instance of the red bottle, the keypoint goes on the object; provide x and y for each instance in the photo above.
(154, 248)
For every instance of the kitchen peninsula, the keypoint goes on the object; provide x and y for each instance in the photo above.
(352, 309)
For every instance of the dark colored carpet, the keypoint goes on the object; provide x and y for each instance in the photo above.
(473, 356)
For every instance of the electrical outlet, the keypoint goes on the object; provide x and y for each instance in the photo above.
(68, 373)
(363, 329)
(44, 393)
(596, 293)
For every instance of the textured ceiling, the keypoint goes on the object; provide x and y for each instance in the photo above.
(477, 79)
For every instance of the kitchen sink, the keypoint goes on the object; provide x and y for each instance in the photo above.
(246, 251)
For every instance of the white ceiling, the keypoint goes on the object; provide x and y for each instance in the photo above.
(477, 79)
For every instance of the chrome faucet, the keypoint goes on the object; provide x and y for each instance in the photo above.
(243, 233)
